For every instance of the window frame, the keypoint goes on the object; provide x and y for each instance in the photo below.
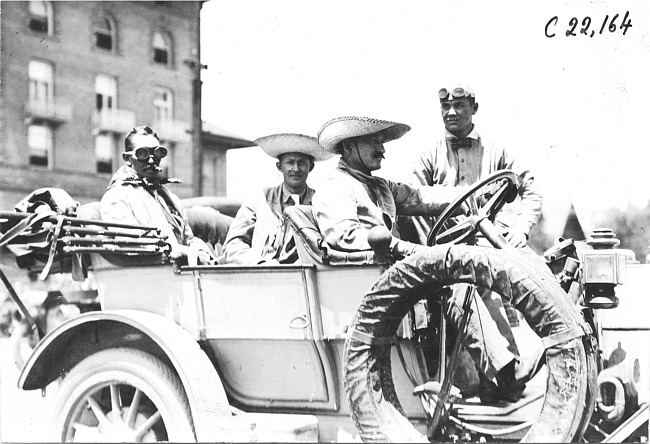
(112, 32)
(169, 103)
(169, 47)
(49, 17)
(49, 148)
(113, 154)
(106, 104)
(31, 80)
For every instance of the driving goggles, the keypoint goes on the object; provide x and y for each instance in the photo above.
(457, 92)
(158, 152)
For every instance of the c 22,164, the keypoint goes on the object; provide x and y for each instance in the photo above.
(584, 27)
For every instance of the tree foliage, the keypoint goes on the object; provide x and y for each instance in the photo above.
(632, 228)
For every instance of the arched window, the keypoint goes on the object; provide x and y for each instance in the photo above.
(40, 16)
(104, 30)
(162, 51)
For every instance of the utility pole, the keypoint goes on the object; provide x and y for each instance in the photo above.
(197, 122)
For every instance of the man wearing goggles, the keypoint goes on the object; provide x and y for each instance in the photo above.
(137, 195)
(461, 158)
(142, 153)
(464, 157)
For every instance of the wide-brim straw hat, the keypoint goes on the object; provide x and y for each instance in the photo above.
(346, 127)
(278, 144)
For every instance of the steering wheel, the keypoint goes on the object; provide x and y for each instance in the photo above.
(502, 189)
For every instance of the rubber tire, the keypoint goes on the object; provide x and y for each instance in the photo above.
(368, 383)
(125, 366)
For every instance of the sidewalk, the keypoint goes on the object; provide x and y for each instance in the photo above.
(24, 415)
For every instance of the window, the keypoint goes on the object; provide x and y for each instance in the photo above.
(40, 16)
(39, 143)
(105, 92)
(161, 48)
(104, 153)
(163, 103)
(104, 30)
(41, 82)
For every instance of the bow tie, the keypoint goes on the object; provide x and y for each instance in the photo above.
(461, 143)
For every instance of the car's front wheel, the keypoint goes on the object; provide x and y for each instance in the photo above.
(121, 395)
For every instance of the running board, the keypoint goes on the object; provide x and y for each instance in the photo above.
(467, 410)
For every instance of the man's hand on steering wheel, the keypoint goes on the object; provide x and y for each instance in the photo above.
(493, 193)
(516, 238)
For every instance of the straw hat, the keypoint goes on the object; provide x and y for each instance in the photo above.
(278, 144)
(343, 128)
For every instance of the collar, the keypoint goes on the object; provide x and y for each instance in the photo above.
(126, 175)
(472, 134)
(359, 175)
(344, 166)
(286, 194)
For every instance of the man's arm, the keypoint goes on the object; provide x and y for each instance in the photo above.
(423, 200)
(423, 168)
(530, 207)
(240, 236)
(336, 209)
(115, 208)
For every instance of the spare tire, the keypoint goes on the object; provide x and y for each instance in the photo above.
(533, 291)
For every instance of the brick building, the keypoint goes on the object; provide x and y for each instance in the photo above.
(76, 76)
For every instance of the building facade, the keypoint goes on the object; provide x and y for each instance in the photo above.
(76, 76)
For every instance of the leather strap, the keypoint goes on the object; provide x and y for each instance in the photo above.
(23, 225)
(53, 247)
(367, 339)
(564, 336)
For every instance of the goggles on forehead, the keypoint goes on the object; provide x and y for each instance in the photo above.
(458, 92)
(158, 152)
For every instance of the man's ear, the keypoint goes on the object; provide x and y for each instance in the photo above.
(277, 165)
(475, 108)
(126, 158)
(311, 165)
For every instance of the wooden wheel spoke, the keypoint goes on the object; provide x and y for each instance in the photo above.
(133, 409)
(116, 402)
(122, 395)
(147, 425)
(99, 413)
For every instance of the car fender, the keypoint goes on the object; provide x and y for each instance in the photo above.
(92, 331)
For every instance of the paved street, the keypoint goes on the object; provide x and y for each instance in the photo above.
(24, 416)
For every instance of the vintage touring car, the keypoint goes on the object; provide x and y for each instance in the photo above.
(337, 347)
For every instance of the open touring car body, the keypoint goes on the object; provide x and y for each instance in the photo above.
(259, 351)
